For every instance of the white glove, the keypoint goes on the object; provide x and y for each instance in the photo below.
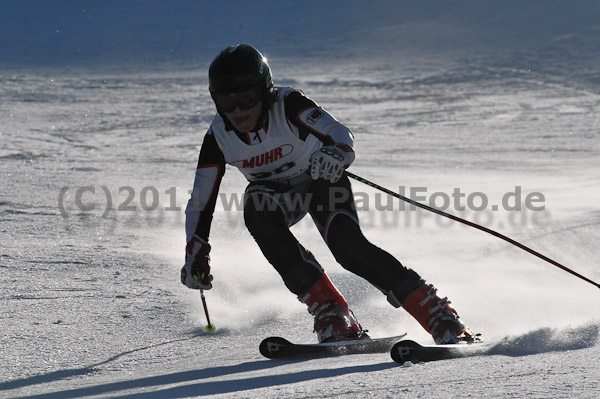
(195, 273)
(329, 162)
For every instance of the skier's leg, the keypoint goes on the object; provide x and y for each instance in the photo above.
(332, 208)
(402, 286)
(357, 254)
(268, 219)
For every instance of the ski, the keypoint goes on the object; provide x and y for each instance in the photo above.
(281, 348)
(408, 350)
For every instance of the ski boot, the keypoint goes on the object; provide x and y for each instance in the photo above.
(334, 321)
(438, 317)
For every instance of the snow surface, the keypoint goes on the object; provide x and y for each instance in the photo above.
(487, 97)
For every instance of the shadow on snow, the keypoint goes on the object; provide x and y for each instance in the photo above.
(211, 387)
(536, 342)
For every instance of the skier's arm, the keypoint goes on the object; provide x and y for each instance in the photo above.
(310, 118)
(329, 161)
(195, 273)
(201, 206)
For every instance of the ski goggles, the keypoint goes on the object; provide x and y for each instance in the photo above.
(243, 99)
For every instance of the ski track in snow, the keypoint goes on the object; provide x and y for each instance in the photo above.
(91, 302)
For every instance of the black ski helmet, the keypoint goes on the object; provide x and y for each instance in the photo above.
(239, 67)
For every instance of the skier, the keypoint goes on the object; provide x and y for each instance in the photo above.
(294, 153)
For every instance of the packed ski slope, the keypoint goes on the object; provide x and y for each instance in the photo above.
(98, 151)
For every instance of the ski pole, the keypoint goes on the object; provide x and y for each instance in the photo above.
(210, 328)
(475, 225)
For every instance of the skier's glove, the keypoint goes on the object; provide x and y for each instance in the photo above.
(329, 162)
(195, 273)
